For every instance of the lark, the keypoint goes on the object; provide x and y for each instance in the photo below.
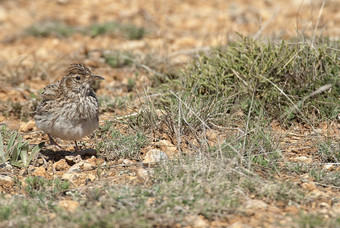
(69, 108)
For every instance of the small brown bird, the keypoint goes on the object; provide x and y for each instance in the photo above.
(69, 107)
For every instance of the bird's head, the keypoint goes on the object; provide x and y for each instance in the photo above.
(78, 80)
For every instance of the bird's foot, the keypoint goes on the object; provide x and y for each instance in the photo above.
(76, 148)
(52, 142)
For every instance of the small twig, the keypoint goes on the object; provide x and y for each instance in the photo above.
(319, 90)
(150, 70)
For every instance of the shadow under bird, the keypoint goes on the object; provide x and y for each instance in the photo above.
(69, 108)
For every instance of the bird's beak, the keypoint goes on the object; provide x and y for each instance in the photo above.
(97, 77)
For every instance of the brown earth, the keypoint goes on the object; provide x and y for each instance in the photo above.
(175, 31)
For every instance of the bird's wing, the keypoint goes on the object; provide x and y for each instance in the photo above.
(50, 91)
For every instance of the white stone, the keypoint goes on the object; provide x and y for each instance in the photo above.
(155, 156)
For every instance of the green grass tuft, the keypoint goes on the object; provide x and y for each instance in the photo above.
(50, 28)
(288, 81)
(61, 30)
(117, 59)
(15, 150)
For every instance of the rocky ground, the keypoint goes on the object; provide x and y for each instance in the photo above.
(173, 33)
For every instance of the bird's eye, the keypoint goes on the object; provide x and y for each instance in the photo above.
(77, 78)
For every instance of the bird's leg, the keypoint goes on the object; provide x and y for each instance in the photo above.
(52, 142)
(76, 147)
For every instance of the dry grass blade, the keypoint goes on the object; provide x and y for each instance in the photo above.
(318, 20)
